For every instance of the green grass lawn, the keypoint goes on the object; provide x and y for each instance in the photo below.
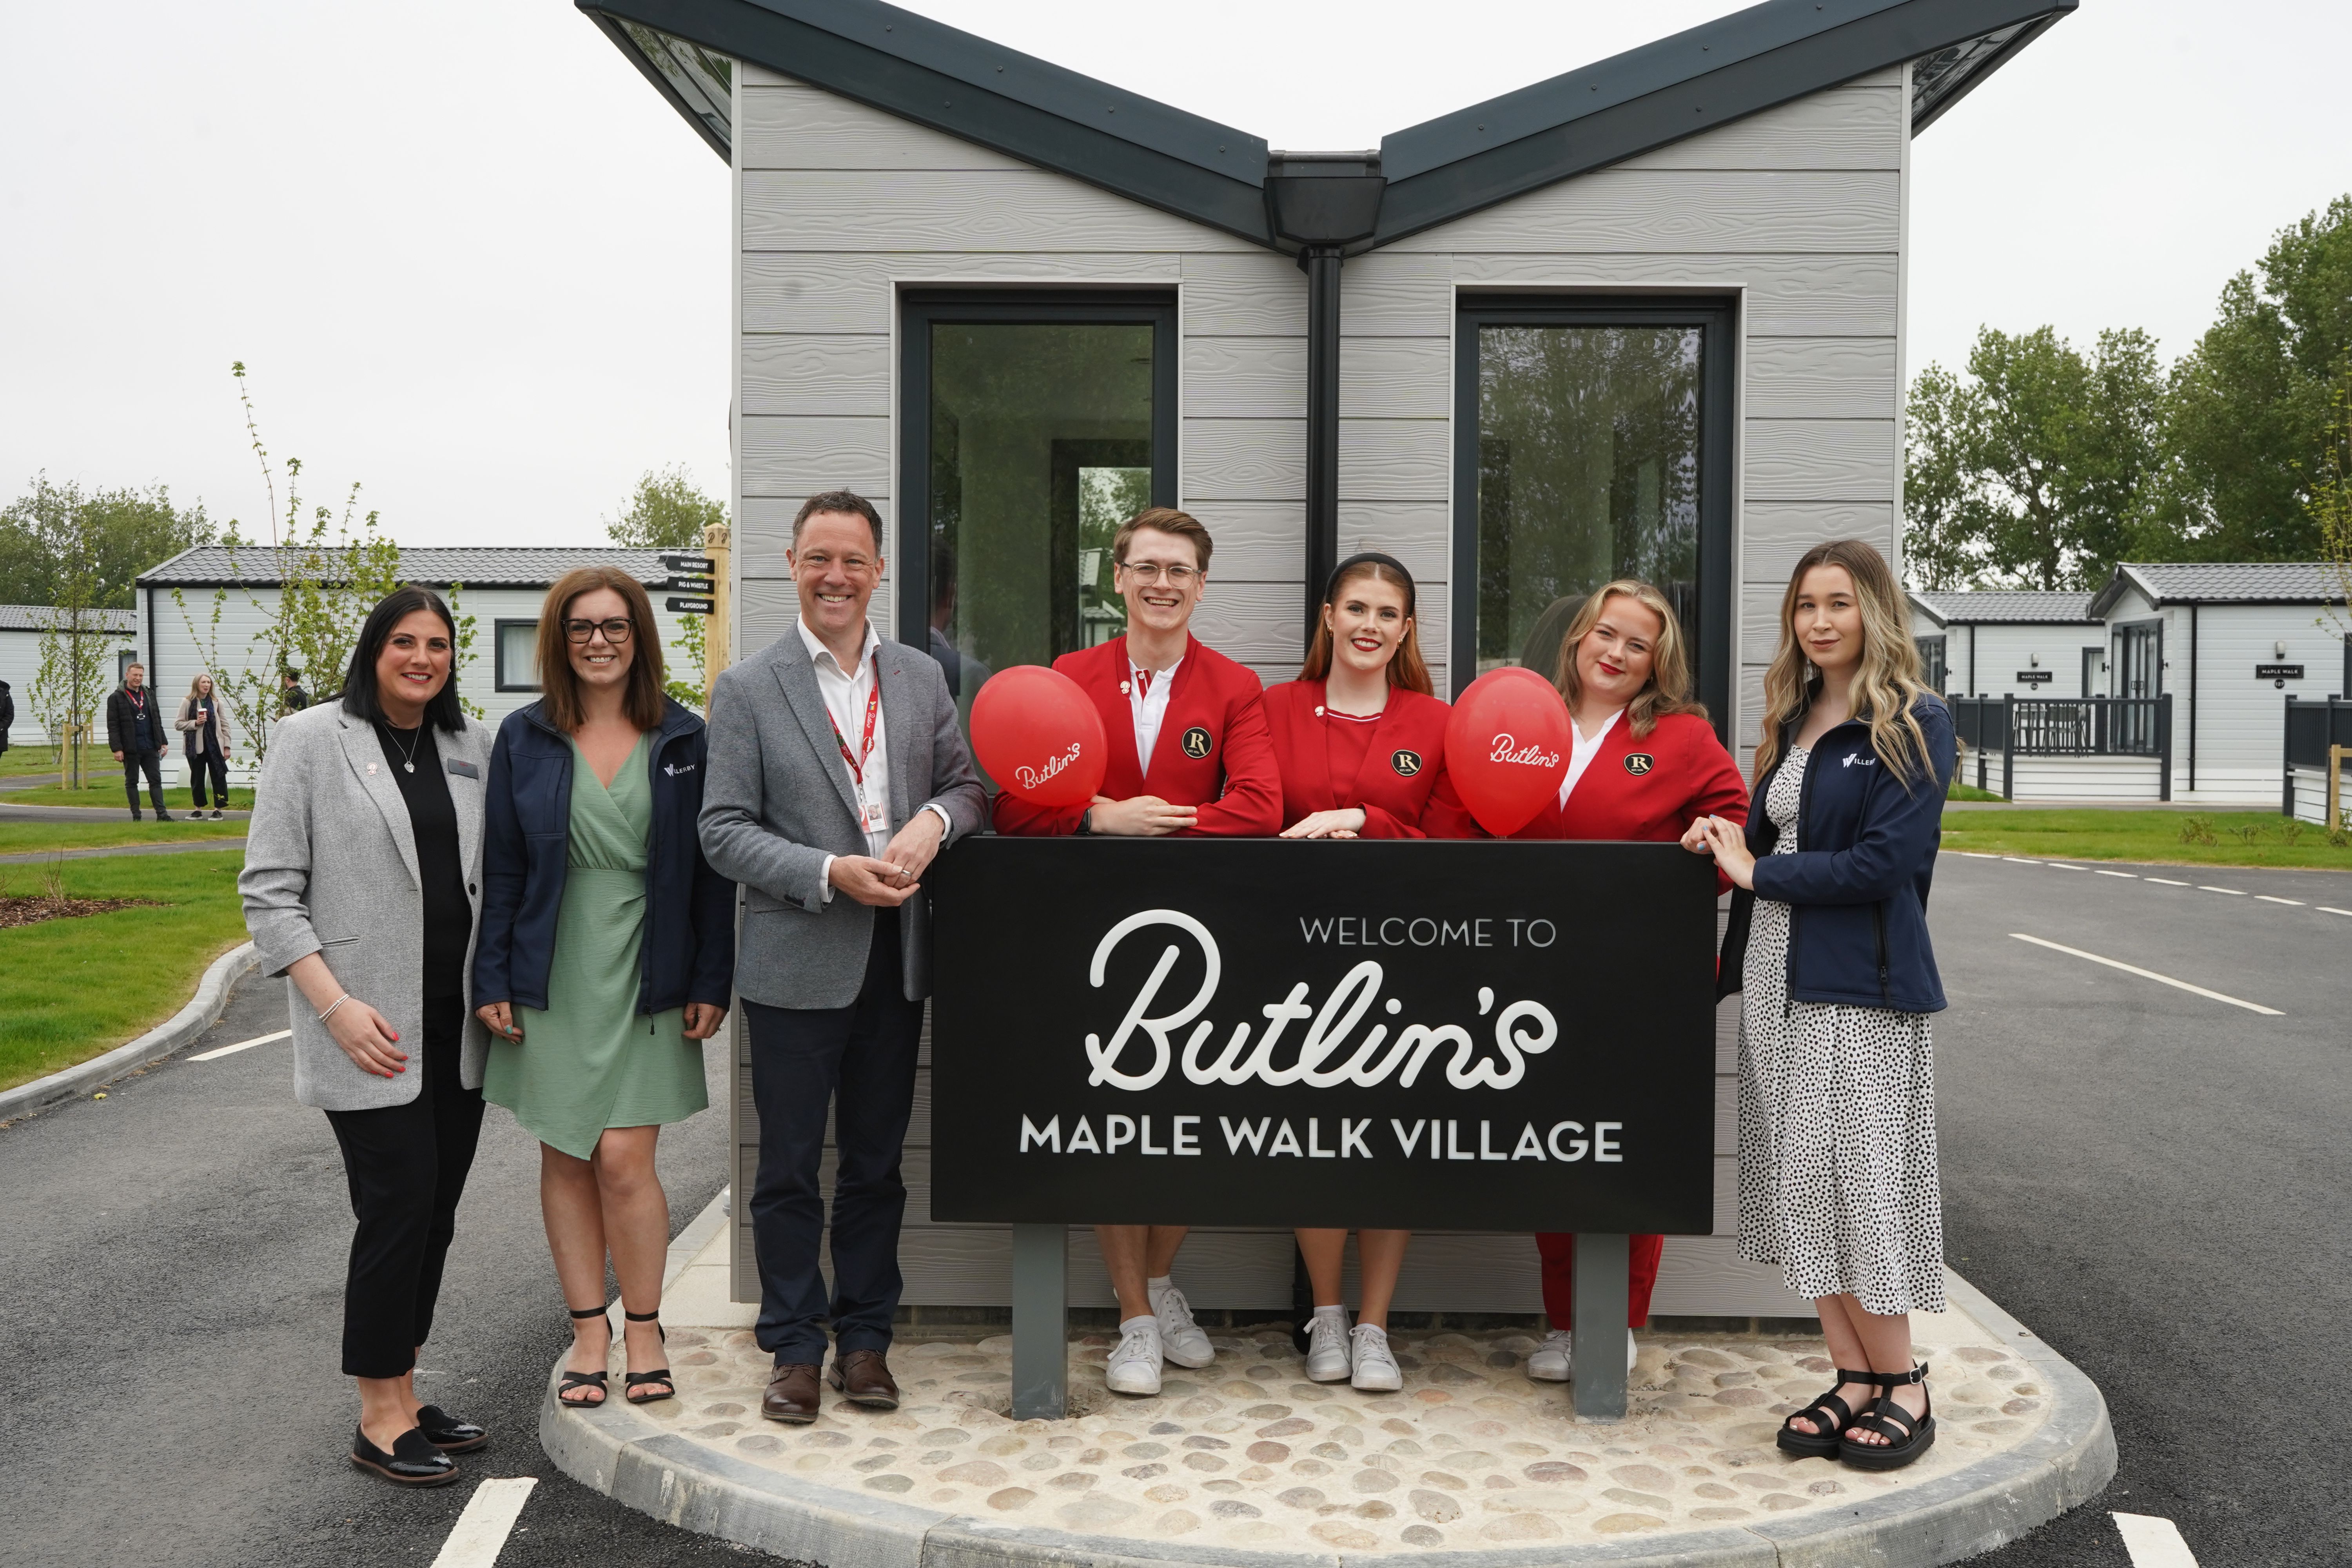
(70, 989)
(19, 837)
(106, 791)
(2240, 838)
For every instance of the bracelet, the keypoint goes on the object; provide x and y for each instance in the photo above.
(332, 1005)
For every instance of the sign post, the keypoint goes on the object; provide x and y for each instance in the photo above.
(1437, 1036)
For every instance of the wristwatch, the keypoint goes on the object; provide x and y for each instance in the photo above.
(1086, 828)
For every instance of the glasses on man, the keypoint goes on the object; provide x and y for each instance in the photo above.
(1149, 573)
(615, 630)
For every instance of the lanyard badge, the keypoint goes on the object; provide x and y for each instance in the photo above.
(870, 813)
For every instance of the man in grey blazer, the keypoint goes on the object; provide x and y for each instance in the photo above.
(837, 774)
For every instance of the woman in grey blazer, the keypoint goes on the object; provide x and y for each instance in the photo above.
(362, 887)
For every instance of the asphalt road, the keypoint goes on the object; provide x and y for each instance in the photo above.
(2149, 1178)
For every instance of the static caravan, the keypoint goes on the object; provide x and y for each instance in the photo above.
(500, 589)
(1986, 643)
(23, 628)
(1643, 318)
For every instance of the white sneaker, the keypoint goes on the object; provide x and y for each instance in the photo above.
(1134, 1364)
(1327, 1347)
(1181, 1339)
(1632, 1353)
(1551, 1361)
(1376, 1368)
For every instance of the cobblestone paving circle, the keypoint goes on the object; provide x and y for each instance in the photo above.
(1470, 1454)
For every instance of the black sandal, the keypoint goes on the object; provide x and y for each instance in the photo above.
(634, 1381)
(1906, 1439)
(1830, 1414)
(594, 1380)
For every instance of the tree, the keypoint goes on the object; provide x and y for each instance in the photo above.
(78, 646)
(2330, 483)
(2251, 405)
(2036, 470)
(119, 534)
(666, 511)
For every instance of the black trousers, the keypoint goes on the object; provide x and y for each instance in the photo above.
(153, 762)
(204, 764)
(861, 1061)
(407, 1166)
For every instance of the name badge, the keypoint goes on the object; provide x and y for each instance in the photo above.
(871, 816)
(464, 770)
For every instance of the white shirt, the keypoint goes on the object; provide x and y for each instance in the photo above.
(1147, 702)
(1580, 755)
(846, 694)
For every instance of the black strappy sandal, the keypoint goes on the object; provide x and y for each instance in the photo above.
(634, 1381)
(1906, 1439)
(594, 1380)
(1829, 1415)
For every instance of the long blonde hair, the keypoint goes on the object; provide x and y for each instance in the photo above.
(1668, 688)
(1886, 688)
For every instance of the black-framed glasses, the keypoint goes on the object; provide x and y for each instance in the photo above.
(616, 630)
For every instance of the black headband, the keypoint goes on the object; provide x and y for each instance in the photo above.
(1368, 558)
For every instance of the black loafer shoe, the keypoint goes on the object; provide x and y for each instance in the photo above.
(450, 1434)
(413, 1462)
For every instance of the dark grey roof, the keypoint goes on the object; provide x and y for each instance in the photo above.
(2225, 582)
(210, 565)
(36, 617)
(953, 81)
(2004, 606)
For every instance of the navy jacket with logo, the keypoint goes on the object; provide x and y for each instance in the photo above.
(1857, 890)
(690, 938)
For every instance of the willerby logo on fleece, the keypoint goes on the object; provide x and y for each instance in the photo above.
(1533, 754)
(1030, 776)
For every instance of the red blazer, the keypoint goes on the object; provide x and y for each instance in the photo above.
(1402, 766)
(1213, 749)
(1647, 790)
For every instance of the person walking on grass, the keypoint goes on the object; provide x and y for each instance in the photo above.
(606, 959)
(204, 721)
(134, 733)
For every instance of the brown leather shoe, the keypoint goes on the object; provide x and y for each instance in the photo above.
(793, 1394)
(864, 1378)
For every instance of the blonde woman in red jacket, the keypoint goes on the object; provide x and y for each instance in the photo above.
(1644, 765)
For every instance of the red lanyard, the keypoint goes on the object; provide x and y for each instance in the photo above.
(857, 763)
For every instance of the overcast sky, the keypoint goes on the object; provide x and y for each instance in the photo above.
(472, 260)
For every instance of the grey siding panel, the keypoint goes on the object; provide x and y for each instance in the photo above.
(1253, 621)
(1245, 378)
(1395, 459)
(1821, 378)
(1395, 378)
(1848, 128)
(1779, 532)
(829, 373)
(1397, 294)
(795, 454)
(1244, 460)
(1417, 533)
(1686, 210)
(1250, 293)
(804, 128)
(1256, 542)
(791, 292)
(832, 210)
(1793, 296)
(1820, 459)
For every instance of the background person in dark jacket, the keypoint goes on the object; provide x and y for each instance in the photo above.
(607, 955)
(1829, 935)
(134, 733)
(7, 714)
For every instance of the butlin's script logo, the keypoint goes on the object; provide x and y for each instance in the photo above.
(1406, 763)
(1324, 1058)
(1030, 778)
(1639, 762)
(1533, 754)
(1196, 742)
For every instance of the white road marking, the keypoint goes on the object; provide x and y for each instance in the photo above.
(2233, 892)
(2152, 1541)
(2128, 876)
(481, 1530)
(2268, 899)
(241, 1046)
(2062, 866)
(2324, 909)
(2020, 861)
(1974, 854)
(2167, 882)
(2149, 975)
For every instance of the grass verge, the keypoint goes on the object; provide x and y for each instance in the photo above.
(2167, 837)
(21, 837)
(70, 989)
(106, 792)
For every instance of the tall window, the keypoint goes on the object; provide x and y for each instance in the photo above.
(1932, 667)
(1034, 427)
(1594, 442)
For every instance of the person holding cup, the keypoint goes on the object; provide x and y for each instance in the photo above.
(205, 721)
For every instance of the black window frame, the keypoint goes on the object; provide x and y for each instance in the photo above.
(1936, 669)
(499, 652)
(1717, 320)
(919, 310)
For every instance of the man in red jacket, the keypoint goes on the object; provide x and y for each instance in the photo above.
(1190, 753)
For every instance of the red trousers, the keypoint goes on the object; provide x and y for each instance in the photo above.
(1559, 1250)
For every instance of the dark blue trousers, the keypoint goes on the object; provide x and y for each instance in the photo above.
(860, 1060)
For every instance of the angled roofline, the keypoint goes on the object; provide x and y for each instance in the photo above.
(1444, 169)
(1924, 608)
(2128, 573)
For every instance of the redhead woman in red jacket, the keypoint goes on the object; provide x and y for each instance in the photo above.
(1644, 765)
(1360, 740)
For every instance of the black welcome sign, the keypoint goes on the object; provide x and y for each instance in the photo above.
(1443, 1035)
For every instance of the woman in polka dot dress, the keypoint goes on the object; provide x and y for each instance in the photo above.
(1829, 934)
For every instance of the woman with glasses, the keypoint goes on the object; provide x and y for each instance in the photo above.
(607, 955)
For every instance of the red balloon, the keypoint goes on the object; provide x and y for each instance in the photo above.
(1038, 735)
(1506, 747)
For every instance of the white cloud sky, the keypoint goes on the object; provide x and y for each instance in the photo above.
(472, 259)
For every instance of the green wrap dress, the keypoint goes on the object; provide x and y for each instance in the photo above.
(591, 1060)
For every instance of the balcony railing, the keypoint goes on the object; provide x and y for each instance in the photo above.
(2313, 730)
(2064, 727)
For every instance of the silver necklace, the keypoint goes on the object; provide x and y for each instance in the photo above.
(409, 752)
